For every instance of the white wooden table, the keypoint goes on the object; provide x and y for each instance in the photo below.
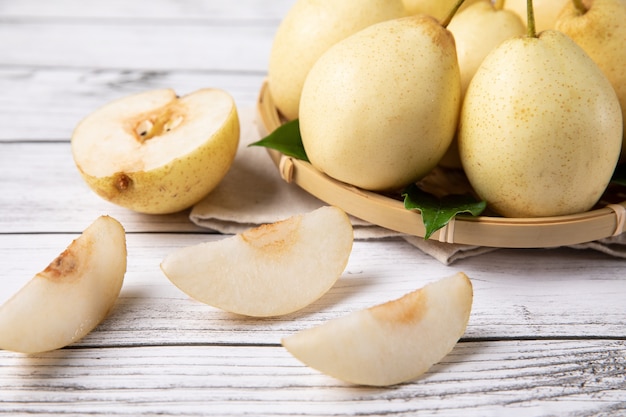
(547, 334)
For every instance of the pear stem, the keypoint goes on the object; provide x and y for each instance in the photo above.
(445, 22)
(532, 31)
(499, 4)
(580, 6)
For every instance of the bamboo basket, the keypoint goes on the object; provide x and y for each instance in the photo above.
(604, 221)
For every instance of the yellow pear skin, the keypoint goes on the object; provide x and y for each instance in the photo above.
(308, 29)
(540, 128)
(380, 108)
(601, 32)
(473, 45)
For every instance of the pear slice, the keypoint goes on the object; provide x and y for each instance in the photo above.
(154, 152)
(270, 270)
(69, 298)
(390, 343)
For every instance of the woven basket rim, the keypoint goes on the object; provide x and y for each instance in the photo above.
(389, 213)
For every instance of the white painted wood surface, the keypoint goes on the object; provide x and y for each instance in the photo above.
(547, 335)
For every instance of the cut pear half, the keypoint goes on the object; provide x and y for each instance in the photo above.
(270, 270)
(69, 298)
(390, 343)
(154, 152)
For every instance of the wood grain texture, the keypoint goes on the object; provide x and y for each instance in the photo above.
(30, 108)
(484, 378)
(245, 11)
(547, 334)
(509, 303)
(42, 191)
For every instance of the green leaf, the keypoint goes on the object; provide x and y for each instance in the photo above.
(285, 139)
(436, 213)
(619, 176)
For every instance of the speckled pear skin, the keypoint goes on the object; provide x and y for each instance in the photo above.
(380, 108)
(601, 32)
(540, 129)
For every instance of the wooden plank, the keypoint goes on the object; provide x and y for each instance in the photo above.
(42, 191)
(242, 10)
(566, 378)
(126, 45)
(46, 103)
(546, 335)
(51, 78)
(580, 296)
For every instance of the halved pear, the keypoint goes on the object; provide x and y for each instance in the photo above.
(69, 298)
(154, 152)
(270, 270)
(390, 343)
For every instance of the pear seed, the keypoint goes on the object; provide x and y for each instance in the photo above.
(144, 128)
(173, 123)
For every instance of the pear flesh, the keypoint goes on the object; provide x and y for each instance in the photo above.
(270, 270)
(389, 343)
(380, 108)
(540, 129)
(155, 152)
(601, 32)
(69, 298)
(308, 29)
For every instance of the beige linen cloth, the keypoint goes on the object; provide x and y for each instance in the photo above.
(253, 193)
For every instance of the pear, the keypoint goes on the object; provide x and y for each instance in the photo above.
(546, 11)
(599, 27)
(308, 29)
(69, 298)
(379, 109)
(393, 342)
(439, 9)
(477, 30)
(540, 128)
(270, 270)
(155, 152)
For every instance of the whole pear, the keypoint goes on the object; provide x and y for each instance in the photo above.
(380, 108)
(308, 29)
(546, 11)
(439, 9)
(540, 128)
(600, 29)
(477, 30)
